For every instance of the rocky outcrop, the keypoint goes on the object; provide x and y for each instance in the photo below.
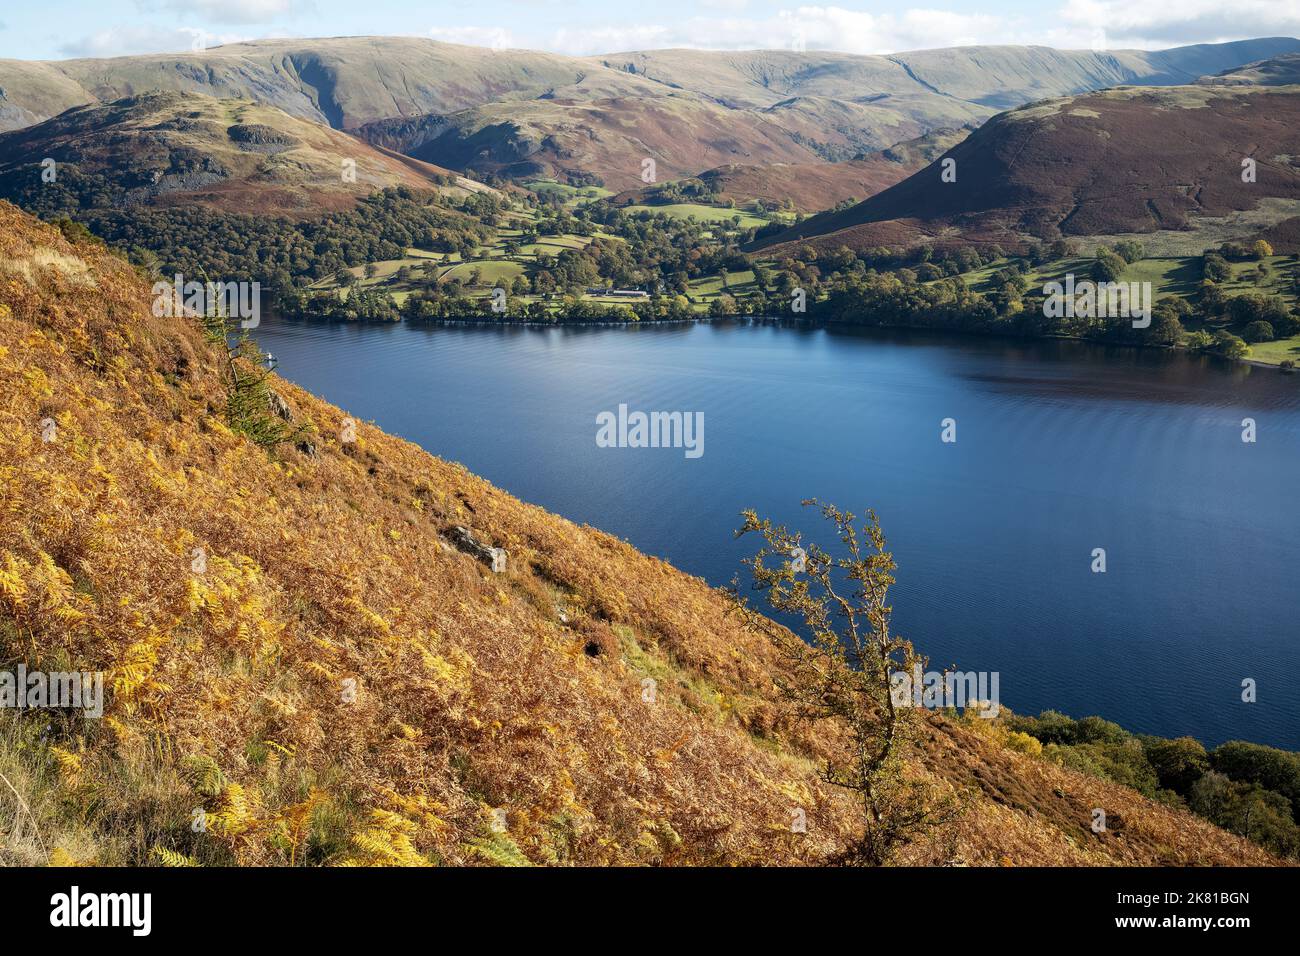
(495, 558)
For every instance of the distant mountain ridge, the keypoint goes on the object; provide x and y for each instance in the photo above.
(522, 112)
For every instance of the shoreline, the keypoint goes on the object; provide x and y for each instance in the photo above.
(812, 323)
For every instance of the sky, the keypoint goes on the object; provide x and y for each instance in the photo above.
(56, 29)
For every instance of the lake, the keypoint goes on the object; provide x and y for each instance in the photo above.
(1061, 448)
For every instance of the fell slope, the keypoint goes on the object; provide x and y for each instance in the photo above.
(340, 81)
(334, 683)
(1123, 161)
(554, 115)
(1281, 70)
(991, 76)
(555, 139)
(811, 187)
(163, 149)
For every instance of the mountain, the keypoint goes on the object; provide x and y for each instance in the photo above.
(996, 77)
(342, 82)
(607, 139)
(163, 149)
(610, 139)
(299, 654)
(1164, 163)
(546, 114)
(810, 187)
(1281, 70)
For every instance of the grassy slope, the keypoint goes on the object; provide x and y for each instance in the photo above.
(228, 687)
(703, 213)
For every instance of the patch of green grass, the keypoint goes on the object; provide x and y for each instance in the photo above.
(688, 690)
(1277, 282)
(494, 271)
(1274, 353)
(554, 245)
(710, 287)
(1168, 275)
(702, 213)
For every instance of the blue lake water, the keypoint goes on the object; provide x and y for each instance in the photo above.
(1061, 448)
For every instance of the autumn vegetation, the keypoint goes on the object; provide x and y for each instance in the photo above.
(336, 684)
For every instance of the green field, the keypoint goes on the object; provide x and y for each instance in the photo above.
(1274, 353)
(702, 213)
(1174, 275)
(494, 268)
(707, 288)
(491, 271)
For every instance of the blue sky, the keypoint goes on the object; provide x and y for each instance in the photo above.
(62, 28)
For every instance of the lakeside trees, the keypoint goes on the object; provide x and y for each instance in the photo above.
(947, 287)
(1245, 788)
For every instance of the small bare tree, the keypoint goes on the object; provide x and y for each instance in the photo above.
(844, 672)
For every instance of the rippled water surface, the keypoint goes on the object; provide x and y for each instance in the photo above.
(1061, 448)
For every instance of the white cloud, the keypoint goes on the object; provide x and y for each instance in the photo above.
(1157, 23)
(1067, 24)
(809, 27)
(233, 11)
(124, 41)
(1071, 24)
(589, 41)
(494, 37)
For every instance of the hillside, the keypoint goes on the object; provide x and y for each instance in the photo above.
(557, 139)
(542, 114)
(340, 81)
(1162, 163)
(163, 149)
(1281, 70)
(995, 77)
(811, 187)
(297, 656)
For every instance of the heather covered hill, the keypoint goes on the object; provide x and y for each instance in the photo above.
(336, 682)
(1164, 163)
(164, 149)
